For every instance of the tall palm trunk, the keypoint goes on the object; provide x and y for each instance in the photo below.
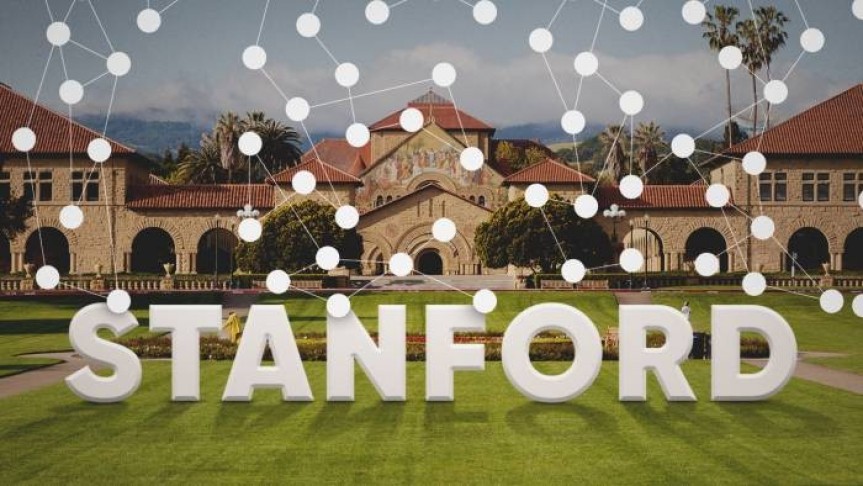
(728, 99)
(754, 106)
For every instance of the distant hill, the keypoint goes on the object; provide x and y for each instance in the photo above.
(147, 137)
(548, 133)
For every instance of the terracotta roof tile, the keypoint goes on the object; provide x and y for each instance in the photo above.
(434, 106)
(548, 171)
(340, 154)
(658, 197)
(323, 172)
(218, 196)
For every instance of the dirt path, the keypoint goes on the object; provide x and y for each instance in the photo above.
(843, 380)
(42, 377)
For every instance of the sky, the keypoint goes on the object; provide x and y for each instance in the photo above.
(191, 69)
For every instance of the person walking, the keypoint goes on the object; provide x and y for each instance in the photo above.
(231, 329)
(686, 310)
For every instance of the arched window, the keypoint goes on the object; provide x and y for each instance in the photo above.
(481, 200)
(379, 201)
(472, 199)
(389, 199)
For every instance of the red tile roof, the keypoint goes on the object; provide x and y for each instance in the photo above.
(323, 172)
(833, 127)
(218, 196)
(549, 171)
(437, 108)
(51, 128)
(657, 197)
(340, 154)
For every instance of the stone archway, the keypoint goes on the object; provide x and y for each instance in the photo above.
(216, 251)
(853, 258)
(808, 248)
(429, 262)
(48, 246)
(650, 245)
(707, 240)
(152, 248)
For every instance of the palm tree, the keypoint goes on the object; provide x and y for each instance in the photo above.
(648, 140)
(613, 141)
(281, 143)
(753, 58)
(225, 135)
(202, 166)
(771, 31)
(717, 31)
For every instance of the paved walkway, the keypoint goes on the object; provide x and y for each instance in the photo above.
(843, 380)
(634, 297)
(438, 282)
(42, 377)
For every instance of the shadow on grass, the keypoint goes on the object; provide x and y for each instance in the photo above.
(540, 419)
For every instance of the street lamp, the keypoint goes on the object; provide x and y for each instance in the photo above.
(631, 241)
(646, 247)
(615, 214)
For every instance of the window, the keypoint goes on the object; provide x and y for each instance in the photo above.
(852, 186)
(472, 199)
(780, 186)
(808, 186)
(85, 186)
(379, 201)
(773, 186)
(5, 186)
(823, 186)
(816, 186)
(38, 186)
(481, 200)
(389, 199)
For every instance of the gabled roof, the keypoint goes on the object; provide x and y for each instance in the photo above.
(426, 188)
(831, 128)
(548, 171)
(337, 152)
(437, 108)
(51, 128)
(323, 172)
(217, 196)
(522, 144)
(657, 197)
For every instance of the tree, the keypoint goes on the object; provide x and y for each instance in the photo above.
(286, 243)
(718, 32)
(203, 166)
(771, 30)
(614, 141)
(649, 141)
(517, 234)
(14, 212)
(753, 58)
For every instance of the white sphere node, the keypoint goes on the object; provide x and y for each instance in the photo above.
(586, 206)
(631, 102)
(586, 64)
(484, 12)
(401, 265)
(860, 200)
(278, 282)
(347, 217)
(683, 146)
(763, 227)
(24, 139)
(347, 74)
(541, 40)
(308, 25)
(573, 122)
(471, 159)
(58, 34)
(832, 301)
(444, 230)
(357, 135)
(411, 120)
(631, 19)
(484, 301)
(754, 163)
(631, 187)
(730, 57)
(775, 91)
(47, 277)
(119, 64)
(250, 230)
(71, 92)
(536, 195)
(254, 57)
(694, 12)
(707, 264)
(338, 305)
(99, 150)
(327, 258)
(754, 284)
(444, 74)
(377, 12)
(812, 40)
(250, 143)
(857, 305)
(631, 260)
(149, 20)
(573, 271)
(119, 301)
(857, 9)
(71, 217)
(297, 109)
(717, 195)
(304, 182)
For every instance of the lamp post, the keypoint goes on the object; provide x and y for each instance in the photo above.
(631, 240)
(793, 264)
(646, 245)
(615, 214)
(216, 255)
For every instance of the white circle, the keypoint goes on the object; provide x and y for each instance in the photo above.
(47, 277)
(303, 182)
(444, 230)
(754, 284)
(71, 92)
(860, 199)
(484, 301)
(119, 301)
(327, 258)
(763, 227)
(631, 19)
(484, 12)
(631, 260)
(775, 91)
(297, 109)
(812, 40)
(832, 301)
(573, 271)
(358, 135)
(377, 12)
(683, 145)
(754, 163)
(250, 143)
(250, 230)
(586, 64)
(58, 34)
(586, 206)
(254, 57)
(71, 217)
(99, 150)
(411, 120)
(278, 282)
(857, 305)
(24, 139)
(149, 20)
(631, 102)
(857, 9)
(707, 264)
(631, 187)
(730, 57)
(347, 217)
(471, 159)
(536, 195)
(401, 265)
(338, 305)
(444, 74)
(541, 40)
(347, 74)
(119, 64)
(308, 25)
(717, 195)
(572, 122)
(694, 12)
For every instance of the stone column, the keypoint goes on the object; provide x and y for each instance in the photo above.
(127, 262)
(730, 261)
(837, 263)
(73, 263)
(193, 263)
